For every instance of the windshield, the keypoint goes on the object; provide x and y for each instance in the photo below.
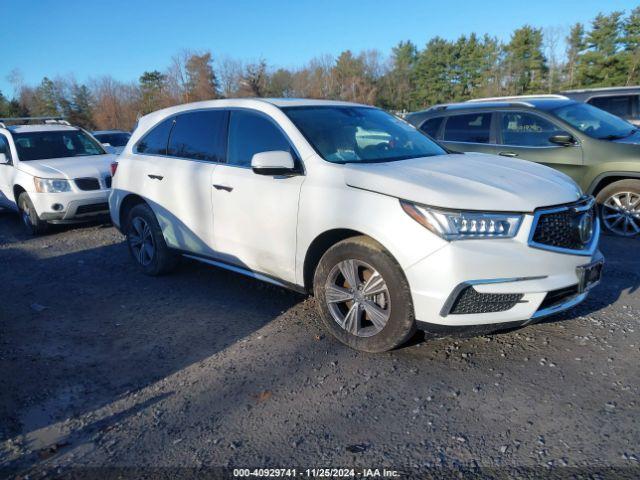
(113, 139)
(55, 144)
(594, 122)
(360, 134)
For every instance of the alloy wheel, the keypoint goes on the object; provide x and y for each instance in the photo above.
(141, 241)
(26, 219)
(358, 298)
(621, 213)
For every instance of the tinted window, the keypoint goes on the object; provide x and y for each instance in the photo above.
(4, 147)
(199, 135)
(594, 122)
(155, 142)
(621, 106)
(113, 139)
(360, 134)
(431, 126)
(527, 130)
(55, 144)
(474, 128)
(250, 133)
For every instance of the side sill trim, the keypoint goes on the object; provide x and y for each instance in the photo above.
(247, 272)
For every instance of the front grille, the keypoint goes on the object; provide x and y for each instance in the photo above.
(88, 183)
(92, 208)
(560, 227)
(471, 301)
(556, 297)
(107, 181)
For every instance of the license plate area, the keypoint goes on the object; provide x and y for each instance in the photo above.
(589, 275)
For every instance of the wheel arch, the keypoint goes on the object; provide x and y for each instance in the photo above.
(128, 202)
(17, 191)
(606, 179)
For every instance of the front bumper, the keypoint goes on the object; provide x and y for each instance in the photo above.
(70, 206)
(504, 267)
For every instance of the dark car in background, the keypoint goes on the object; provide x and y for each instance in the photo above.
(621, 101)
(600, 151)
(113, 140)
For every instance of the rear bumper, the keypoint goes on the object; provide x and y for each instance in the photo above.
(71, 206)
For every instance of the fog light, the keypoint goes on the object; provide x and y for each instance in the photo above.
(56, 207)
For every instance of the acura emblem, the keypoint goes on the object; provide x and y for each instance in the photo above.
(585, 227)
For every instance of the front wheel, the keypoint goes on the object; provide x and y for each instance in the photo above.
(363, 296)
(620, 208)
(146, 242)
(29, 216)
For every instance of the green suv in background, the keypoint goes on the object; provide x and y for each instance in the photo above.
(600, 151)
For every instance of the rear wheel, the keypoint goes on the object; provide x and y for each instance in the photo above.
(146, 242)
(363, 296)
(29, 216)
(620, 208)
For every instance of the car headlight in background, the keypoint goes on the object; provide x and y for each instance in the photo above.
(51, 185)
(458, 225)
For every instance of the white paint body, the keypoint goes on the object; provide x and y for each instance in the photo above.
(19, 176)
(266, 224)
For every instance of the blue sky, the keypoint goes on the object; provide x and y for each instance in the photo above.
(121, 38)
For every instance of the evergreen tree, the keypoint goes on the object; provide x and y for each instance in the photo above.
(575, 45)
(631, 45)
(152, 87)
(81, 107)
(525, 62)
(46, 99)
(601, 65)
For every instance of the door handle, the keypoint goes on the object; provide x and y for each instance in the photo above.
(226, 188)
(155, 177)
(508, 154)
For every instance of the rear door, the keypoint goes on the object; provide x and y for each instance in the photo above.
(525, 135)
(469, 132)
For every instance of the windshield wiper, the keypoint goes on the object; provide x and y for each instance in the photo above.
(618, 137)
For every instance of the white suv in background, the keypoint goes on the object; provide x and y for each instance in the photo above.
(52, 173)
(389, 230)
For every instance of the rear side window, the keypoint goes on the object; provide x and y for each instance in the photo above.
(621, 105)
(251, 133)
(155, 142)
(527, 130)
(432, 126)
(199, 135)
(473, 128)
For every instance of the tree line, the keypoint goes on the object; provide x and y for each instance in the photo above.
(604, 53)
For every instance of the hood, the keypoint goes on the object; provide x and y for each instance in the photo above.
(70, 167)
(471, 181)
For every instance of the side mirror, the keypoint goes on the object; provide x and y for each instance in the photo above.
(563, 139)
(277, 162)
(4, 160)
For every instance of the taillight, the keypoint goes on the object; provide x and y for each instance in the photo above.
(114, 167)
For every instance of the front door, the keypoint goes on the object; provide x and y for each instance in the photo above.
(526, 135)
(6, 175)
(255, 216)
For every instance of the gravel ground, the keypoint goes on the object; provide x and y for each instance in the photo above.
(103, 367)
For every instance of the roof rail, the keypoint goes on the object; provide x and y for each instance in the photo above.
(28, 120)
(517, 97)
(601, 89)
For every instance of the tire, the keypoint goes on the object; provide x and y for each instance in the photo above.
(29, 216)
(619, 208)
(345, 309)
(146, 242)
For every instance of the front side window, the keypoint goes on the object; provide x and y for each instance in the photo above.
(432, 126)
(594, 122)
(251, 133)
(155, 142)
(55, 144)
(199, 135)
(621, 105)
(360, 134)
(527, 130)
(470, 128)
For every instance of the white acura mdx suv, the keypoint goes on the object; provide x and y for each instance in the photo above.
(389, 230)
(52, 173)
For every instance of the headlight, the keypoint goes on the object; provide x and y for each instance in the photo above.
(456, 225)
(51, 185)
